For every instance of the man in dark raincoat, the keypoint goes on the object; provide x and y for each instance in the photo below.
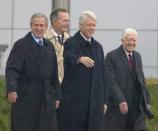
(32, 80)
(84, 90)
(129, 99)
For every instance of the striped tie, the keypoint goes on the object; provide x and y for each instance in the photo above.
(60, 39)
(40, 43)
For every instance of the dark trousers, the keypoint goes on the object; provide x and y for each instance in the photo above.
(115, 121)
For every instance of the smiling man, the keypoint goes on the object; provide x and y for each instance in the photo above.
(32, 80)
(129, 99)
(57, 34)
(84, 90)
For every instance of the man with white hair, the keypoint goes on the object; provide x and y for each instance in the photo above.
(84, 90)
(129, 99)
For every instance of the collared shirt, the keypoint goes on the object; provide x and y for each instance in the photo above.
(89, 40)
(127, 53)
(36, 39)
(55, 34)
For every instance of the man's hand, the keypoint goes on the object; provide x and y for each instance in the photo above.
(123, 107)
(105, 108)
(57, 103)
(148, 106)
(12, 96)
(88, 62)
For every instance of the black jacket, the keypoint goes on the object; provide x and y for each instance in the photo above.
(31, 71)
(84, 89)
(120, 84)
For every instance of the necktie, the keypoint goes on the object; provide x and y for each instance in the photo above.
(40, 43)
(60, 39)
(130, 61)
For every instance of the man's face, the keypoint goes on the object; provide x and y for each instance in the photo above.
(129, 42)
(62, 23)
(88, 27)
(39, 26)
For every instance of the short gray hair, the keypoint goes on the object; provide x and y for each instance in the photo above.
(38, 15)
(129, 30)
(86, 14)
(54, 14)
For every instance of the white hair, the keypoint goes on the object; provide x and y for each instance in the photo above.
(128, 31)
(86, 14)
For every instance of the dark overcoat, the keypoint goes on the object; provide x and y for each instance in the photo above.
(121, 89)
(76, 94)
(31, 71)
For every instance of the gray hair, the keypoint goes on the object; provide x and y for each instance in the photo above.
(86, 14)
(129, 30)
(54, 14)
(38, 15)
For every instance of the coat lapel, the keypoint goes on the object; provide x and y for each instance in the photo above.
(58, 47)
(136, 61)
(124, 59)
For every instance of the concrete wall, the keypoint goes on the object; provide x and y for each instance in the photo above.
(113, 16)
(15, 19)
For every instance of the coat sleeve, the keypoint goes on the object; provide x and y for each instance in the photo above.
(115, 94)
(55, 80)
(70, 51)
(104, 73)
(14, 66)
(143, 82)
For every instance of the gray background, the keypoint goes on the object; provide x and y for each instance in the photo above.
(112, 17)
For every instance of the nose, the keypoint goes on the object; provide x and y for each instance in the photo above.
(38, 27)
(93, 27)
(132, 41)
(67, 22)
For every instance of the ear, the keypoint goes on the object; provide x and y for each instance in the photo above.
(47, 25)
(122, 40)
(80, 26)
